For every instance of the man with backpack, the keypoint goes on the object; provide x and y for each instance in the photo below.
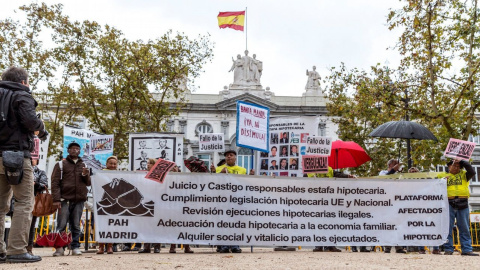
(18, 123)
(70, 178)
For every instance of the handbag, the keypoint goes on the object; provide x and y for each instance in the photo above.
(13, 163)
(43, 205)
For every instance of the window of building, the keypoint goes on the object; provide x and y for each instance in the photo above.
(245, 158)
(206, 159)
(203, 127)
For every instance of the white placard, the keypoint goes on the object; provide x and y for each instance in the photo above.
(252, 126)
(211, 142)
(168, 146)
(288, 138)
(225, 209)
(319, 146)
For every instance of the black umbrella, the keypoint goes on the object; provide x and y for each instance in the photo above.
(403, 130)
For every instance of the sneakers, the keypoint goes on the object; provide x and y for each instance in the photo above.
(333, 249)
(318, 249)
(59, 252)
(448, 252)
(23, 258)
(76, 252)
(436, 252)
(469, 254)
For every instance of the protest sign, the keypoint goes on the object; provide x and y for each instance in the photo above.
(167, 146)
(160, 170)
(43, 154)
(288, 138)
(230, 209)
(93, 153)
(252, 126)
(315, 164)
(101, 144)
(78, 135)
(459, 149)
(35, 154)
(211, 142)
(319, 146)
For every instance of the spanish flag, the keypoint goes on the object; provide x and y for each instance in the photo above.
(235, 20)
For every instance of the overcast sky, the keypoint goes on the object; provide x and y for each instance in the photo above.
(287, 36)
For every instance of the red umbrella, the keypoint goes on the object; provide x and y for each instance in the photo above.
(347, 155)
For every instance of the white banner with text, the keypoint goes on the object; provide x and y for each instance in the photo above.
(226, 209)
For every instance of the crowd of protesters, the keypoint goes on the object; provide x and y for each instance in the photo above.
(71, 177)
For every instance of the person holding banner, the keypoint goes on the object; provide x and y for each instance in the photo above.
(231, 167)
(393, 166)
(458, 192)
(187, 248)
(331, 174)
(156, 246)
(112, 165)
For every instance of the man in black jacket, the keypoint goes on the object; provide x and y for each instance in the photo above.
(16, 134)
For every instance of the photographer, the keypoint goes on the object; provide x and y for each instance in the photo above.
(18, 123)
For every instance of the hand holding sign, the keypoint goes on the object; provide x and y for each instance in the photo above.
(159, 170)
(459, 149)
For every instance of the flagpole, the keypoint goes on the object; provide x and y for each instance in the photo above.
(246, 29)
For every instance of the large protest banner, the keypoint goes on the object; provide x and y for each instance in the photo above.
(78, 135)
(224, 209)
(93, 153)
(288, 138)
(252, 126)
(142, 146)
(459, 149)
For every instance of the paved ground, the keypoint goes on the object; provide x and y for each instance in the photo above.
(261, 258)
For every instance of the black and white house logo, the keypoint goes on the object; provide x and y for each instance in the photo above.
(123, 199)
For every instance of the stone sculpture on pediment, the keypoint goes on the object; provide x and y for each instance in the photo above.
(313, 82)
(247, 71)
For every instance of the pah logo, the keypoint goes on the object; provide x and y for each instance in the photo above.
(123, 199)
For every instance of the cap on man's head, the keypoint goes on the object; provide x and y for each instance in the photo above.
(230, 151)
(73, 144)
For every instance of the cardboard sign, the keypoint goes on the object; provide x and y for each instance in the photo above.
(459, 149)
(315, 164)
(211, 142)
(101, 144)
(319, 146)
(252, 126)
(36, 149)
(160, 170)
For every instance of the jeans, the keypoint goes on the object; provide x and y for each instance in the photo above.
(463, 217)
(71, 212)
(22, 216)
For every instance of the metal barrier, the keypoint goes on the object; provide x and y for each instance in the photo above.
(474, 234)
(44, 227)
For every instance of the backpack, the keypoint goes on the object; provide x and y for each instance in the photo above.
(5, 102)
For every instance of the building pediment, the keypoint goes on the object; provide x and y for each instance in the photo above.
(231, 103)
